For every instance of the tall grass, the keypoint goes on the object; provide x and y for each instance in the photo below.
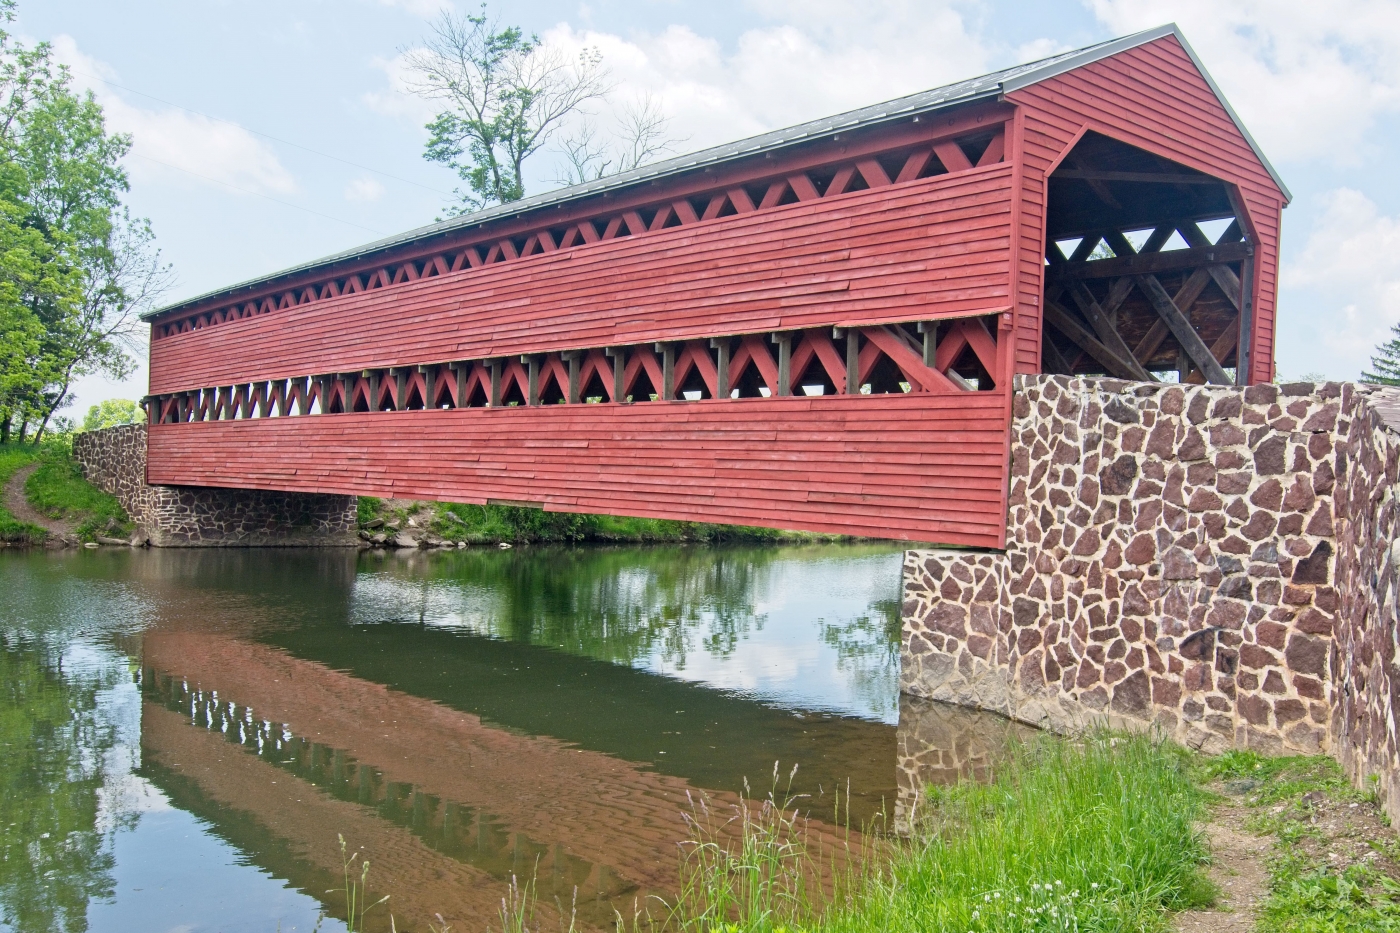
(1094, 835)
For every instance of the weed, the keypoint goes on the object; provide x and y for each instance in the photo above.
(355, 890)
(1307, 898)
(1313, 887)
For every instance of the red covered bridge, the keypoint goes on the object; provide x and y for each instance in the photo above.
(815, 328)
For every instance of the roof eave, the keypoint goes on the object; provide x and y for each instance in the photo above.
(573, 193)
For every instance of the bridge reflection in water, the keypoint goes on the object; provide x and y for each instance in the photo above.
(426, 711)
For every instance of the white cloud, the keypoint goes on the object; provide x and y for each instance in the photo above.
(1347, 277)
(364, 188)
(819, 58)
(197, 147)
(1309, 79)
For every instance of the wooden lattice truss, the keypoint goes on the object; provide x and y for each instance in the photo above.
(950, 355)
(877, 170)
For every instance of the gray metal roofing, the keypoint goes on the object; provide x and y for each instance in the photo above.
(981, 88)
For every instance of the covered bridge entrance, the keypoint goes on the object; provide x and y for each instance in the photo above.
(816, 328)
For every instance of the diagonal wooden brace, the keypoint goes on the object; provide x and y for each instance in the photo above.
(1182, 330)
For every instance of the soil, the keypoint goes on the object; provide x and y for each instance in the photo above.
(20, 508)
(1238, 868)
(1342, 832)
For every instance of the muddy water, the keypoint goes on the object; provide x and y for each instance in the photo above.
(189, 734)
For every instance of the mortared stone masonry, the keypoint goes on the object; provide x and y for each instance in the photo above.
(1219, 563)
(114, 460)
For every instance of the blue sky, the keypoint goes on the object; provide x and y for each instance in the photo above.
(225, 101)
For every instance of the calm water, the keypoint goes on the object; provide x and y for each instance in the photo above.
(186, 733)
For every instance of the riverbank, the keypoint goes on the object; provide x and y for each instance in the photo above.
(412, 523)
(1108, 833)
(45, 501)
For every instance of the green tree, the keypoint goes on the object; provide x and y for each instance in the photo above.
(113, 412)
(77, 269)
(1385, 364)
(506, 95)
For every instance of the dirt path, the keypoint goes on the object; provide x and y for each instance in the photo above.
(20, 508)
(1238, 869)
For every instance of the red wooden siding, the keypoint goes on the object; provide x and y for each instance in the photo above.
(908, 251)
(918, 467)
(1152, 97)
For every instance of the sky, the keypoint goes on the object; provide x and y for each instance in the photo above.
(270, 133)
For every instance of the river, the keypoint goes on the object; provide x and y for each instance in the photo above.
(187, 733)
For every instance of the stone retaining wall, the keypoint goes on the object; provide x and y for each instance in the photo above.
(114, 460)
(1210, 561)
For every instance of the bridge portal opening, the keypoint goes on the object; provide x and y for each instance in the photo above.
(1148, 269)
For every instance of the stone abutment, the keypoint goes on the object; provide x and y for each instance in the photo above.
(114, 460)
(1218, 563)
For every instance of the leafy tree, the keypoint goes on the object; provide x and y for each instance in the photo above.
(113, 412)
(76, 269)
(1385, 364)
(507, 95)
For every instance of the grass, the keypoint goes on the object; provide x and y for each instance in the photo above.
(14, 457)
(489, 524)
(57, 489)
(1095, 835)
(1328, 874)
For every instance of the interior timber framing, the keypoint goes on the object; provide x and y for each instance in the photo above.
(1141, 312)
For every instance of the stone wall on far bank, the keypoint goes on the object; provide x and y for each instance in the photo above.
(1214, 562)
(114, 460)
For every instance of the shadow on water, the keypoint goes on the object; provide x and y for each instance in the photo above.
(468, 717)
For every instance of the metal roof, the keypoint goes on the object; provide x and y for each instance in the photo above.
(985, 87)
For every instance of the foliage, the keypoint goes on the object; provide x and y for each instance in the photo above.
(59, 490)
(12, 458)
(111, 413)
(1306, 898)
(507, 94)
(488, 524)
(1095, 835)
(75, 268)
(1385, 364)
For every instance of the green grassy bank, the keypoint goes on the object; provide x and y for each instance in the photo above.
(489, 524)
(58, 490)
(1092, 835)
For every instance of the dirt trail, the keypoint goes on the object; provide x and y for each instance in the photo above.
(1238, 869)
(20, 508)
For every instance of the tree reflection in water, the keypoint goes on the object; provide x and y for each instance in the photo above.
(55, 851)
(630, 605)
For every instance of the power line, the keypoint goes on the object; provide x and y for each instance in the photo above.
(258, 194)
(278, 139)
